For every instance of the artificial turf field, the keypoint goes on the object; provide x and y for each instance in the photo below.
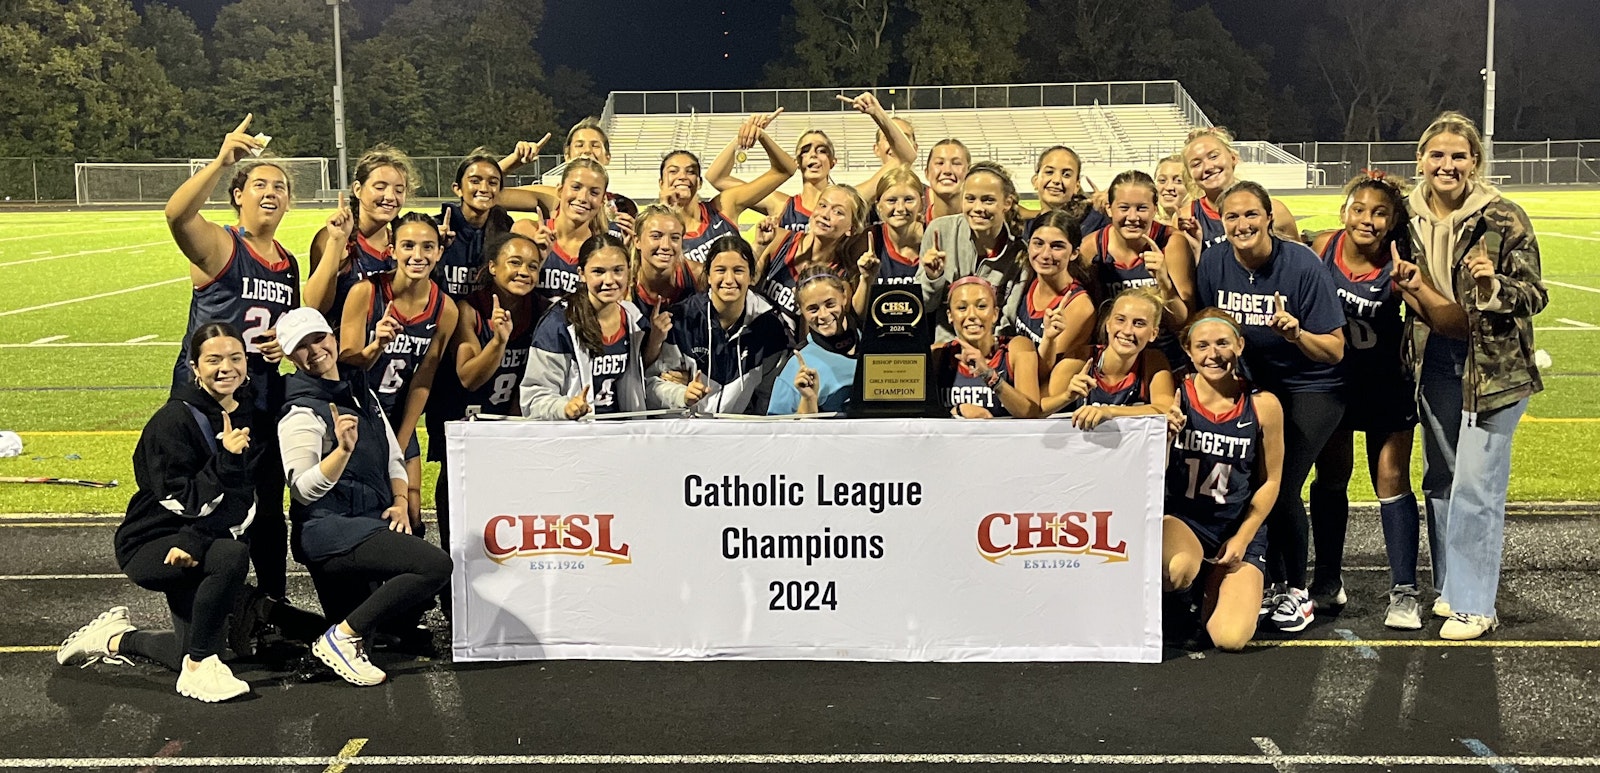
(93, 304)
(1346, 694)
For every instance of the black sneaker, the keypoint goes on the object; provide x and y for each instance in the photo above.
(246, 621)
(1329, 600)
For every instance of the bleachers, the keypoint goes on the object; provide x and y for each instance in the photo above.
(1108, 137)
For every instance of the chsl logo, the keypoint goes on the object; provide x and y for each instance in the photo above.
(523, 536)
(1027, 534)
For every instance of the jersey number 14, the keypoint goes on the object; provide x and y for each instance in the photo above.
(1215, 484)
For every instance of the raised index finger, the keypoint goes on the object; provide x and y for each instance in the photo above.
(245, 124)
(227, 423)
(800, 358)
(446, 225)
(1278, 299)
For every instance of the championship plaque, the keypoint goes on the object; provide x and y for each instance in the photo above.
(893, 357)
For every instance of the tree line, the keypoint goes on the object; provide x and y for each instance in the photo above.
(96, 79)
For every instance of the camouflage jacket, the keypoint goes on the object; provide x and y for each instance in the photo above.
(1500, 370)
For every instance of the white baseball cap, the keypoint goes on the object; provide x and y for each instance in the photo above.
(299, 324)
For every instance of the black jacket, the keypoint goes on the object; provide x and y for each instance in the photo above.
(186, 489)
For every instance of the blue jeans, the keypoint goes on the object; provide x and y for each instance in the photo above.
(1466, 471)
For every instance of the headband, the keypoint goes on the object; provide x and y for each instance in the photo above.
(1228, 320)
(975, 280)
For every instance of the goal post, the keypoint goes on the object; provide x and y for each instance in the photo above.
(154, 183)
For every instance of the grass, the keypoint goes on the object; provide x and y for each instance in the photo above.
(80, 409)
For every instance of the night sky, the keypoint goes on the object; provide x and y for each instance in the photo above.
(700, 44)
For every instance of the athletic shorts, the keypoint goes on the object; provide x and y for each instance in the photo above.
(1211, 538)
(1379, 405)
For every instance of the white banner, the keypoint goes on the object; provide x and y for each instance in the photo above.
(922, 539)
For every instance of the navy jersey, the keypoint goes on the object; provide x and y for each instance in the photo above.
(1373, 328)
(1295, 271)
(391, 374)
(1089, 219)
(558, 275)
(250, 294)
(794, 216)
(1030, 318)
(1211, 232)
(893, 268)
(1212, 460)
(682, 287)
(961, 387)
(500, 395)
(781, 279)
(1131, 389)
(1116, 276)
(460, 270)
(607, 369)
(697, 245)
(366, 262)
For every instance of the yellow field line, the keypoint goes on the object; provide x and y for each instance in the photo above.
(1537, 420)
(351, 749)
(1505, 643)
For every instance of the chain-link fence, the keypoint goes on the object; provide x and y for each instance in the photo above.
(1552, 162)
(36, 179)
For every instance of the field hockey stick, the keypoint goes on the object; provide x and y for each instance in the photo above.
(63, 482)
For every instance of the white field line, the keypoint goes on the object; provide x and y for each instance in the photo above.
(1572, 236)
(469, 760)
(1574, 322)
(48, 339)
(92, 297)
(86, 345)
(1569, 286)
(122, 248)
(68, 235)
(140, 339)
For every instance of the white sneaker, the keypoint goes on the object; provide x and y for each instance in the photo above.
(92, 643)
(1404, 610)
(1294, 611)
(1441, 608)
(347, 658)
(1462, 626)
(211, 682)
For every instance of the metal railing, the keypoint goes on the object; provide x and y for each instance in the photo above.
(1010, 95)
(1551, 162)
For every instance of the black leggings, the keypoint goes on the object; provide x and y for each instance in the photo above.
(200, 599)
(410, 570)
(1309, 419)
(269, 532)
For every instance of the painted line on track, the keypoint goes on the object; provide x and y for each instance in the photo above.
(1482, 750)
(171, 749)
(1367, 653)
(1274, 754)
(351, 748)
(96, 296)
(1208, 760)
